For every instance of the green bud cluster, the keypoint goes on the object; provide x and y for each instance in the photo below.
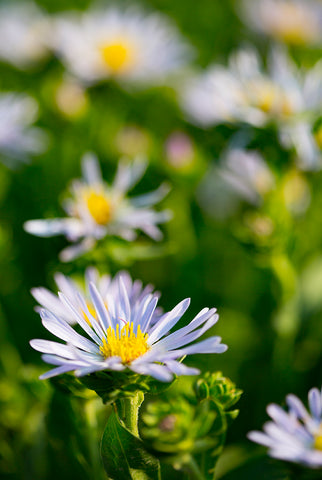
(190, 420)
(217, 388)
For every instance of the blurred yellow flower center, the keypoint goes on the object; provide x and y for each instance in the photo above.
(270, 99)
(318, 442)
(91, 310)
(125, 343)
(99, 206)
(294, 25)
(117, 56)
(318, 137)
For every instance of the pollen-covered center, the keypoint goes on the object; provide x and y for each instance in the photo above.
(318, 442)
(294, 25)
(318, 137)
(125, 343)
(270, 99)
(118, 55)
(92, 312)
(99, 206)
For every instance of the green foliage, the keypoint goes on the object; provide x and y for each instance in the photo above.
(261, 267)
(124, 455)
(191, 424)
(113, 386)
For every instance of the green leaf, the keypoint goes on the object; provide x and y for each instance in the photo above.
(124, 456)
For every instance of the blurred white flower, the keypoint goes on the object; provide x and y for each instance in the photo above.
(306, 143)
(244, 92)
(124, 44)
(296, 435)
(294, 22)
(97, 209)
(241, 175)
(25, 34)
(18, 138)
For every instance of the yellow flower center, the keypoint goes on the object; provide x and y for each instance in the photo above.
(91, 310)
(294, 25)
(99, 206)
(125, 343)
(318, 442)
(318, 137)
(270, 99)
(117, 56)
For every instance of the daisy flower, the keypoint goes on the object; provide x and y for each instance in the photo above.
(296, 435)
(120, 336)
(123, 44)
(240, 175)
(24, 34)
(306, 143)
(244, 92)
(18, 138)
(106, 286)
(294, 22)
(247, 173)
(97, 209)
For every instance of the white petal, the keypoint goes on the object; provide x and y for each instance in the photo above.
(159, 372)
(62, 330)
(91, 169)
(168, 320)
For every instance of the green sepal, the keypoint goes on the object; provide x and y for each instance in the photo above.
(113, 386)
(218, 388)
(70, 385)
(124, 456)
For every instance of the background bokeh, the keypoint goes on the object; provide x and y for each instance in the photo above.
(267, 286)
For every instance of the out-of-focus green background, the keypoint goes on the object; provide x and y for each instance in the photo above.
(268, 290)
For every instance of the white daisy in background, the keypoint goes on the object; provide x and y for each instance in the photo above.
(106, 286)
(244, 92)
(296, 435)
(121, 337)
(122, 44)
(240, 175)
(294, 22)
(18, 138)
(306, 143)
(25, 34)
(97, 209)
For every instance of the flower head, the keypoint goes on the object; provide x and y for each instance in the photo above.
(106, 286)
(18, 138)
(123, 44)
(294, 22)
(24, 34)
(97, 209)
(296, 435)
(244, 92)
(241, 175)
(121, 334)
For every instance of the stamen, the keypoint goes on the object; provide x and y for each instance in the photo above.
(318, 137)
(318, 442)
(99, 206)
(270, 99)
(117, 56)
(91, 311)
(124, 343)
(294, 25)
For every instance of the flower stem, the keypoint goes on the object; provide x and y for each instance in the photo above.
(128, 411)
(193, 469)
